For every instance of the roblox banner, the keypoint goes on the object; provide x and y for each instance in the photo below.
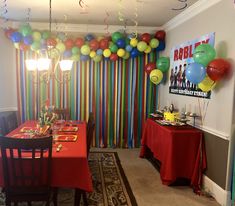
(181, 56)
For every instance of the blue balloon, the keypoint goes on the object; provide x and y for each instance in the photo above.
(89, 37)
(99, 52)
(134, 52)
(121, 43)
(195, 73)
(16, 37)
(128, 48)
(28, 40)
(84, 57)
(161, 46)
(67, 53)
(131, 36)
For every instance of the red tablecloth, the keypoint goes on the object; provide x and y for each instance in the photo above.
(181, 151)
(70, 165)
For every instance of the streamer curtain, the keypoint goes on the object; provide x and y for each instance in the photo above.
(119, 93)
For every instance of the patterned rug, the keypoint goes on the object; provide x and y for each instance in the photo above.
(110, 184)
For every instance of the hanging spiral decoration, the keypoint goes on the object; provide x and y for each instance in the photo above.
(183, 6)
(84, 7)
(28, 15)
(120, 14)
(106, 23)
(135, 20)
(4, 12)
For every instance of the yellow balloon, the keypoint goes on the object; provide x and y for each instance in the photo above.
(121, 52)
(107, 53)
(92, 54)
(134, 42)
(206, 84)
(37, 36)
(156, 76)
(147, 50)
(17, 45)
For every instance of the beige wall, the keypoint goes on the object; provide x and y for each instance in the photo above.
(219, 19)
(218, 118)
(8, 99)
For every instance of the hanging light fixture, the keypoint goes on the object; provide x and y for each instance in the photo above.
(48, 61)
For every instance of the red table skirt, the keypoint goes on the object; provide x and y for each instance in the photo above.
(181, 151)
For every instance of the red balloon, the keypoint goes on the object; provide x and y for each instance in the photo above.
(79, 42)
(69, 44)
(218, 68)
(146, 37)
(94, 44)
(8, 32)
(51, 42)
(160, 35)
(149, 67)
(104, 43)
(113, 57)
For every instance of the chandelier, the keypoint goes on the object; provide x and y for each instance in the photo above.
(48, 60)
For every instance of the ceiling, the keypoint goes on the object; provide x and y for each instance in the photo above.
(154, 13)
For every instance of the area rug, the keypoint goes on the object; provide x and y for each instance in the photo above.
(111, 187)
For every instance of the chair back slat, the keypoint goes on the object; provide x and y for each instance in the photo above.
(10, 122)
(26, 165)
(90, 131)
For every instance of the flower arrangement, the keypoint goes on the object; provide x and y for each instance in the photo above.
(47, 115)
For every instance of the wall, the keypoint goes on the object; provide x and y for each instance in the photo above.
(218, 118)
(8, 100)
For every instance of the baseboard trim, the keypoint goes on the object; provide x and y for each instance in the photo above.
(8, 109)
(223, 197)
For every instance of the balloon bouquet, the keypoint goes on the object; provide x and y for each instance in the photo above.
(206, 71)
(88, 47)
(155, 70)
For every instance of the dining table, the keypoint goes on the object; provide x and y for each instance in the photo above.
(69, 167)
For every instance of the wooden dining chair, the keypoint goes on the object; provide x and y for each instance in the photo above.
(10, 122)
(26, 169)
(90, 131)
(63, 113)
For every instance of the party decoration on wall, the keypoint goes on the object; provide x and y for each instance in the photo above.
(156, 76)
(206, 84)
(188, 66)
(197, 76)
(218, 69)
(118, 45)
(203, 54)
(163, 63)
(182, 6)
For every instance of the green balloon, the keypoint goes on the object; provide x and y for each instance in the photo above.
(113, 48)
(163, 63)
(61, 47)
(127, 41)
(75, 50)
(85, 50)
(203, 54)
(26, 30)
(154, 43)
(45, 34)
(141, 46)
(97, 58)
(35, 46)
(116, 35)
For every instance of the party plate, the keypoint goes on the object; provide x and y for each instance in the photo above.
(69, 129)
(65, 138)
